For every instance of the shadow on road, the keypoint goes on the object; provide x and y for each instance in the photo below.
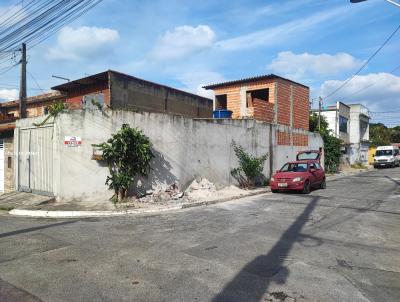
(252, 282)
(22, 231)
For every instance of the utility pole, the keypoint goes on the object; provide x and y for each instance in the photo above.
(22, 85)
(319, 113)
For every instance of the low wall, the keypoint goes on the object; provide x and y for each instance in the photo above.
(185, 149)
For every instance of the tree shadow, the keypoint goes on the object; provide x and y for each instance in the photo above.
(160, 173)
(252, 282)
(32, 229)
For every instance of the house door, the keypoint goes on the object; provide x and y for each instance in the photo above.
(35, 160)
(1, 166)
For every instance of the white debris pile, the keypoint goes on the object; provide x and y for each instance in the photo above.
(162, 194)
(200, 189)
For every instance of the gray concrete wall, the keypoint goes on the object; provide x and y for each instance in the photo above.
(185, 149)
(130, 93)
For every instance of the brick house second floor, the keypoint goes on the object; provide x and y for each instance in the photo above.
(268, 98)
(35, 106)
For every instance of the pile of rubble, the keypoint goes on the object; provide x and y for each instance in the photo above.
(199, 189)
(162, 194)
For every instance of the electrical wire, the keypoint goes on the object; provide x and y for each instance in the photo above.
(37, 21)
(365, 64)
(366, 87)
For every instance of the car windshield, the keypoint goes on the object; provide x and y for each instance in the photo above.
(383, 152)
(294, 167)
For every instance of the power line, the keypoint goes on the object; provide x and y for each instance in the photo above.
(36, 82)
(37, 21)
(365, 64)
(368, 86)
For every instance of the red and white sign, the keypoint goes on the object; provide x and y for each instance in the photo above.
(72, 141)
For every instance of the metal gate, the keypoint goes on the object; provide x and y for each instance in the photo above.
(35, 160)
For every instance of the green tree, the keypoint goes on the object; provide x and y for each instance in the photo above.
(128, 154)
(331, 143)
(249, 165)
(314, 122)
(379, 135)
(395, 134)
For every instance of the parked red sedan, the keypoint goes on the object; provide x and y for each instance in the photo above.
(300, 175)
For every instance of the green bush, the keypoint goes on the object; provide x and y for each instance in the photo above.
(128, 154)
(250, 167)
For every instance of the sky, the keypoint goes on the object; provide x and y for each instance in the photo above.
(187, 44)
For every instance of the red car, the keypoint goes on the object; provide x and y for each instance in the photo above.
(300, 175)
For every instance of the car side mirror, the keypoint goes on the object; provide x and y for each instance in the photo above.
(312, 170)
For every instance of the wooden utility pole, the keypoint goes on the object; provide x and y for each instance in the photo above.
(319, 113)
(22, 85)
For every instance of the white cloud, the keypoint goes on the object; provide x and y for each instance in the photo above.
(194, 81)
(274, 35)
(83, 42)
(182, 41)
(298, 66)
(8, 94)
(377, 91)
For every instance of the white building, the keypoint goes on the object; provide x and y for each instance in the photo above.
(350, 123)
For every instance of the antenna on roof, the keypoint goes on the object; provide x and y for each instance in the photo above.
(57, 77)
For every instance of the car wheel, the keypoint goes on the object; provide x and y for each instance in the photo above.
(323, 184)
(307, 187)
(274, 191)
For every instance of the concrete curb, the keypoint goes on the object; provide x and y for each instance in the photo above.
(75, 214)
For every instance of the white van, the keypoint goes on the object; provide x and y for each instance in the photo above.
(387, 156)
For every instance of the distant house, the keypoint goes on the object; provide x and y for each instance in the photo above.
(350, 123)
(121, 91)
(267, 98)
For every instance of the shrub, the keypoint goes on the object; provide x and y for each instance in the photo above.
(250, 167)
(128, 154)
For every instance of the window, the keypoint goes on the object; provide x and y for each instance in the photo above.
(294, 167)
(256, 95)
(383, 153)
(93, 101)
(221, 102)
(343, 124)
(317, 166)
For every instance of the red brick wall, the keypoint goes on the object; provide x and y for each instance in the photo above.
(301, 97)
(283, 103)
(74, 97)
(233, 99)
(283, 138)
(289, 95)
(263, 111)
(300, 139)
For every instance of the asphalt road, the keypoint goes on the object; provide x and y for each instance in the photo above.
(338, 244)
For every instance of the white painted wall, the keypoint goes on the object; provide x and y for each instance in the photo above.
(185, 149)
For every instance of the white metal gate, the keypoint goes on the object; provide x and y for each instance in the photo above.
(1, 166)
(35, 160)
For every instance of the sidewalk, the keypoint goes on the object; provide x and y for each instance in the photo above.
(41, 206)
(61, 210)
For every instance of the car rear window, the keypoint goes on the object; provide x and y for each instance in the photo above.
(308, 155)
(294, 167)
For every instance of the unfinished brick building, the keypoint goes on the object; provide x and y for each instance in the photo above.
(267, 98)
